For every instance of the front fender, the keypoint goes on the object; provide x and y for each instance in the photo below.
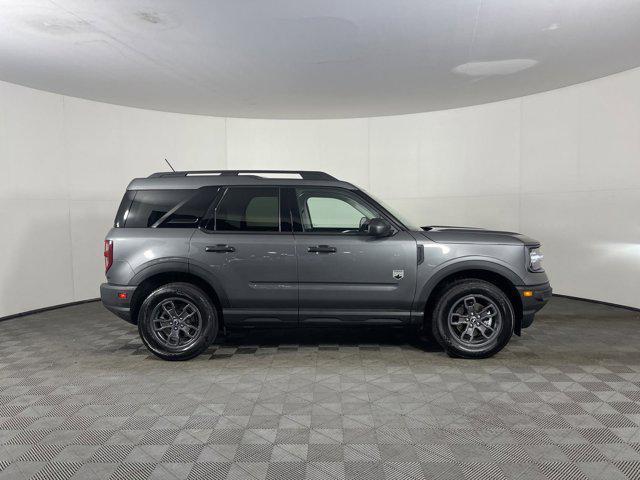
(456, 266)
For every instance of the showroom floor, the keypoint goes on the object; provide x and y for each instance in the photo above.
(81, 398)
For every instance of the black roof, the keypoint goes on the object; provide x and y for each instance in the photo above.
(304, 174)
(201, 178)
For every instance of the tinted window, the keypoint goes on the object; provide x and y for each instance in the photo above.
(330, 210)
(254, 209)
(190, 211)
(150, 206)
(123, 210)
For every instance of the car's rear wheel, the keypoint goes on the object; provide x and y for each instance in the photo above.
(472, 318)
(177, 321)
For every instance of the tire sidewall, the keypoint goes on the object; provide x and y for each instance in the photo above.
(450, 296)
(207, 314)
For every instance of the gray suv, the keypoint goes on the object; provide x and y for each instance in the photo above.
(194, 253)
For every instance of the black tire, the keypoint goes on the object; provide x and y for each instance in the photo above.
(455, 338)
(206, 319)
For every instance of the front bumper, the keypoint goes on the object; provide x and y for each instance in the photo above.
(112, 302)
(530, 305)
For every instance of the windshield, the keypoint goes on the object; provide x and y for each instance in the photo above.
(404, 220)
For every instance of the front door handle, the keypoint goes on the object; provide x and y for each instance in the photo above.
(322, 249)
(220, 248)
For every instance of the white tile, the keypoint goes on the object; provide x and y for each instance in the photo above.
(276, 144)
(432, 210)
(499, 212)
(443, 153)
(338, 147)
(94, 145)
(394, 155)
(147, 139)
(463, 152)
(189, 142)
(492, 162)
(609, 122)
(550, 142)
(36, 255)
(200, 142)
(591, 242)
(33, 164)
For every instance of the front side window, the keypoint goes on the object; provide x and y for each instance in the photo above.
(332, 210)
(247, 209)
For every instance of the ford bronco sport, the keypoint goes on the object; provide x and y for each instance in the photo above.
(192, 253)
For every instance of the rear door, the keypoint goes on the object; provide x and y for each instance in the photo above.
(248, 254)
(345, 275)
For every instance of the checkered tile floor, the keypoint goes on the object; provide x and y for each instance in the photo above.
(80, 398)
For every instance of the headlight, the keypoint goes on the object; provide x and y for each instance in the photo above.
(535, 259)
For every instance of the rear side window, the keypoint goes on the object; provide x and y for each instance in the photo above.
(248, 209)
(166, 208)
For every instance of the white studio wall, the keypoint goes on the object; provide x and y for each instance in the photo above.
(561, 166)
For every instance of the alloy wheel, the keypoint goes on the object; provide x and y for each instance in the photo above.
(176, 323)
(474, 320)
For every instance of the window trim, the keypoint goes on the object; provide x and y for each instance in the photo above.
(297, 223)
(124, 207)
(211, 213)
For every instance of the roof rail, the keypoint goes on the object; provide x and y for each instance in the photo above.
(304, 174)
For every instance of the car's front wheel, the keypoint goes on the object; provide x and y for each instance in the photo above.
(177, 321)
(472, 318)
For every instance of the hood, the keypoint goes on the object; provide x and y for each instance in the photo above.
(445, 234)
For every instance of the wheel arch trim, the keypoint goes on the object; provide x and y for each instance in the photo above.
(470, 265)
(183, 272)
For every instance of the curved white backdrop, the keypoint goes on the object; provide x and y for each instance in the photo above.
(561, 166)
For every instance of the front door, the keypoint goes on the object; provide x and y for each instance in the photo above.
(345, 275)
(249, 256)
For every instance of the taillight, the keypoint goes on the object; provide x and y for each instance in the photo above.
(108, 255)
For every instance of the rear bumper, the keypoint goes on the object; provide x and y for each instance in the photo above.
(112, 302)
(530, 305)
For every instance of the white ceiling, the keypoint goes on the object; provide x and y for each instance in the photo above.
(312, 58)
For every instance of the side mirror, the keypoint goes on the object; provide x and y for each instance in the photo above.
(379, 228)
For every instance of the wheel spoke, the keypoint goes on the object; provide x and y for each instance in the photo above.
(185, 315)
(469, 304)
(186, 330)
(170, 309)
(486, 331)
(487, 313)
(468, 332)
(160, 324)
(459, 319)
(174, 337)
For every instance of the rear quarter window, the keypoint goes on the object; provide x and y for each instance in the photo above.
(123, 210)
(164, 208)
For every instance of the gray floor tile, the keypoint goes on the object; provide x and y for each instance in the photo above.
(80, 398)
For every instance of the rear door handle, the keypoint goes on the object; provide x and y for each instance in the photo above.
(219, 248)
(322, 249)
